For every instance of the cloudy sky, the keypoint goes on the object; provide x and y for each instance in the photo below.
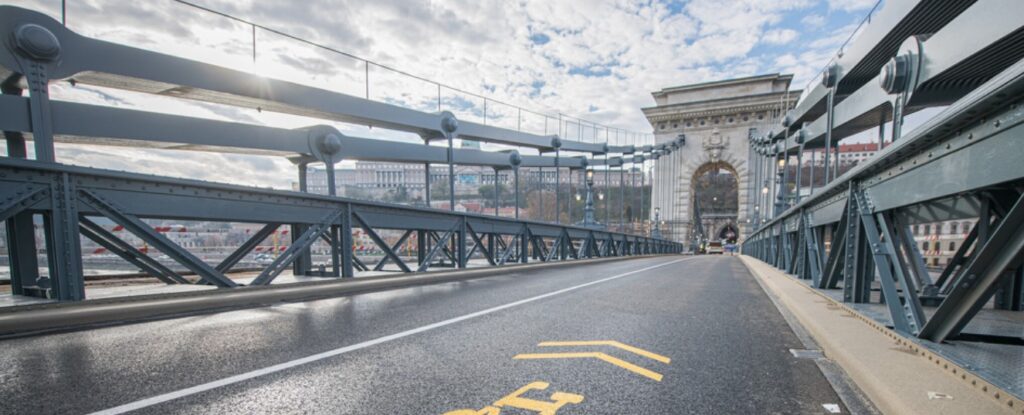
(594, 59)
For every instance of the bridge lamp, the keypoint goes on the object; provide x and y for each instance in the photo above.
(579, 197)
(782, 163)
(600, 196)
(764, 190)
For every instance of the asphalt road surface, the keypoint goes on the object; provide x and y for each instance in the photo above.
(666, 335)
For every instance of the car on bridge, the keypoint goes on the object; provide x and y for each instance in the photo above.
(714, 248)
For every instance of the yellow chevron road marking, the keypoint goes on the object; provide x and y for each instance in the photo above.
(593, 355)
(612, 343)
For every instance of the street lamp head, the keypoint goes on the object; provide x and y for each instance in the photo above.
(590, 175)
(579, 197)
(764, 190)
(782, 163)
(448, 122)
(556, 142)
(657, 210)
(600, 196)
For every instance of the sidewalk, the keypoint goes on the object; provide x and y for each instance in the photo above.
(897, 375)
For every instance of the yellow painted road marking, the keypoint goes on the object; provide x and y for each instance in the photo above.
(516, 400)
(612, 343)
(594, 355)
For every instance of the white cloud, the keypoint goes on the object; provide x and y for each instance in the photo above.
(813, 20)
(851, 5)
(779, 36)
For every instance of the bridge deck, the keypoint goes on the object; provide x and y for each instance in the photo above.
(444, 347)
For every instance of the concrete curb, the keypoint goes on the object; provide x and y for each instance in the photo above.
(34, 319)
(890, 368)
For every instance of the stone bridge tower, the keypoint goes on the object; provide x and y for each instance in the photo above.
(717, 119)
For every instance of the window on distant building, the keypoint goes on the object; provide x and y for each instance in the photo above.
(952, 246)
(953, 227)
(927, 229)
(965, 226)
(917, 229)
(924, 246)
(936, 246)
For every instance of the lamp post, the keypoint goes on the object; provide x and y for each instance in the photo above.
(781, 197)
(656, 232)
(588, 207)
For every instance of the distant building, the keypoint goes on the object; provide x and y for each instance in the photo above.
(939, 241)
(848, 154)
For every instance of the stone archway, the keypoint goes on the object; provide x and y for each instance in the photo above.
(715, 191)
(717, 119)
(728, 233)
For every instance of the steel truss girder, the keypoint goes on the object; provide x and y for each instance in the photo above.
(383, 245)
(810, 257)
(23, 198)
(906, 313)
(140, 229)
(397, 245)
(63, 246)
(959, 259)
(478, 243)
(246, 247)
(509, 249)
(914, 260)
(159, 197)
(856, 282)
(127, 252)
(21, 242)
(981, 277)
(427, 259)
(304, 241)
(445, 249)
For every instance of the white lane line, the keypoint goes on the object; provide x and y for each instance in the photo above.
(181, 393)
